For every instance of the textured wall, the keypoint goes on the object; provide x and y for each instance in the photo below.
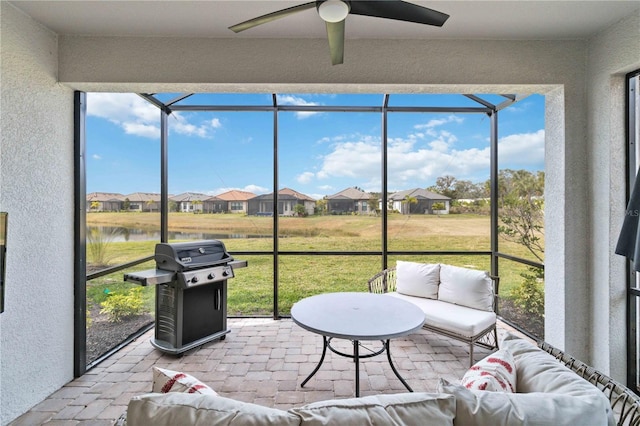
(37, 156)
(612, 54)
(36, 188)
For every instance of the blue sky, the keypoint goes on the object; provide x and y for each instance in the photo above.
(320, 153)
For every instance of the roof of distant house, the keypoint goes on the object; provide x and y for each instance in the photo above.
(286, 194)
(105, 196)
(236, 195)
(350, 194)
(419, 194)
(144, 196)
(189, 196)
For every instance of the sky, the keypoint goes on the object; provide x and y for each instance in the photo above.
(319, 153)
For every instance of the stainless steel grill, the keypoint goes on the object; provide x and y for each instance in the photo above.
(191, 293)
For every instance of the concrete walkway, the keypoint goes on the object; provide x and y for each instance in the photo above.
(261, 361)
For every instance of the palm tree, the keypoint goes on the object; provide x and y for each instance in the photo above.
(407, 201)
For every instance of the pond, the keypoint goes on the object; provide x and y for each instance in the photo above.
(122, 234)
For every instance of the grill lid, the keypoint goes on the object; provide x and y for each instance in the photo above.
(190, 255)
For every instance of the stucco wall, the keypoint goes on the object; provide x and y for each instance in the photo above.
(611, 55)
(36, 154)
(36, 188)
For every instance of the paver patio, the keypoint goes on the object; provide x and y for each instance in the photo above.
(261, 361)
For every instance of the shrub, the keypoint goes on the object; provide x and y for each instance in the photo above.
(119, 306)
(529, 294)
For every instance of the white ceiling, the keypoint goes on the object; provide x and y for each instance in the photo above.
(498, 19)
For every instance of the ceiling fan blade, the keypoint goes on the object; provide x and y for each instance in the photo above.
(399, 10)
(271, 17)
(335, 34)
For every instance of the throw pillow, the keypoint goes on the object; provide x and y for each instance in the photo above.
(165, 381)
(496, 372)
(417, 279)
(466, 287)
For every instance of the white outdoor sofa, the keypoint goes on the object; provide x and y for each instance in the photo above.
(460, 303)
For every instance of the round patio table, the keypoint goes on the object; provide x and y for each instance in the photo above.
(357, 317)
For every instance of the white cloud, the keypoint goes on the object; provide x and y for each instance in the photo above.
(127, 110)
(439, 122)
(141, 129)
(138, 117)
(305, 177)
(298, 101)
(410, 165)
(257, 189)
(182, 126)
(96, 157)
(523, 149)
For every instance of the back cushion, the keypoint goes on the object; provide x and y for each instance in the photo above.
(466, 287)
(481, 408)
(177, 409)
(417, 279)
(393, 409)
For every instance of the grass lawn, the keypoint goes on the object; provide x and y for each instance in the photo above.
(299, 276)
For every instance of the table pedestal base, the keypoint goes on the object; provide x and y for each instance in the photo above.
(356, 359)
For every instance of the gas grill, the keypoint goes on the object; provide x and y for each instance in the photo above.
(191, 293)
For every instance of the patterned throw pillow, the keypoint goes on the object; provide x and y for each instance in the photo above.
(165, 381)
(497, 373)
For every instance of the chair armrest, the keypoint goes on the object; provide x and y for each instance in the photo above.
(383, 282)
(496, 289)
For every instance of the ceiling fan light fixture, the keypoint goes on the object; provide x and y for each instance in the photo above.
(333, 10)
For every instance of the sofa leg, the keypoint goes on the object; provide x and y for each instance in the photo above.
(470, 354)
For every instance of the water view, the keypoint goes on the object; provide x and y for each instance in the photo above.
(118, 234)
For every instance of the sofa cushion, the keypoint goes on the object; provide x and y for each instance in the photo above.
(461, 320)
(394, 409)
(496, 372)
(519, 409)
(466, 287)
(171, 409)
(175, 381)
(538, 371)
(417, 279)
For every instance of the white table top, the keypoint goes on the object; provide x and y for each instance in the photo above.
(357, 316)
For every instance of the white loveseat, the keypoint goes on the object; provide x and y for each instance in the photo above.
(457, 302)
(547, 393)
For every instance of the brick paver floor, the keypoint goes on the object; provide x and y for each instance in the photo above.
(261, 361)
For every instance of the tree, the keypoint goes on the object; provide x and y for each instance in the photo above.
(445, 185)
(407, 201)
(374, 203)
(521, 203)
(299, 209)
(321, 206)
(521, 212)
(95, 205)
(126, 205)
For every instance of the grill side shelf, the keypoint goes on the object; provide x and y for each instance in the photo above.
(150, 277)
(238, 264)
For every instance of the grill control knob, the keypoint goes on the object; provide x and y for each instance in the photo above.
(194, 280)
(211, 276)
(225, 273)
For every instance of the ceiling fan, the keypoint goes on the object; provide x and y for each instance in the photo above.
(334, 13)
